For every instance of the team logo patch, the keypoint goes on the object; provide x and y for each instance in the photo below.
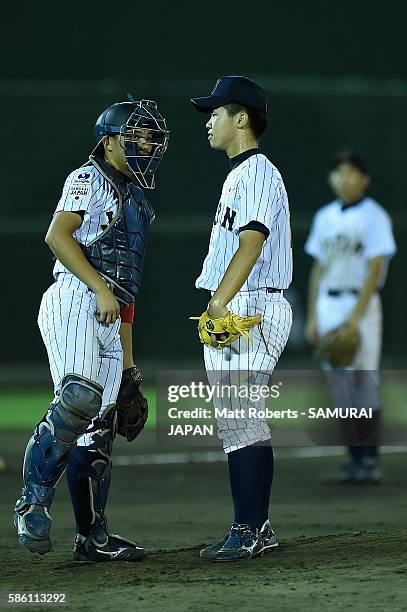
(83, 176)
(210, 326)
(80, 186)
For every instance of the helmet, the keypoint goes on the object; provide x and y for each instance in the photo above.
(136, 121)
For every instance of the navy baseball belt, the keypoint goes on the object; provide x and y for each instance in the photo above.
(339, 292)
(268, 290)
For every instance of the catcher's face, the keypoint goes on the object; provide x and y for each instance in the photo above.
(114, 148)
(142, 137)
(348, 183)
(221, 129)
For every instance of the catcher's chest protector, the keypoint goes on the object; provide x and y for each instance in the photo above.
(118, 253)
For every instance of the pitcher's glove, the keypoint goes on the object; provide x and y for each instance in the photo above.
(339, 346)
(131, 405)
(226, 329)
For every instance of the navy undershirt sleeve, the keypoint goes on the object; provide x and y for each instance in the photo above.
(256, 226)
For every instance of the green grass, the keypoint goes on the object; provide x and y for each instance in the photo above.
(23, 409)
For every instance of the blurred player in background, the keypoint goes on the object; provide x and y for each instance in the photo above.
(351, 241)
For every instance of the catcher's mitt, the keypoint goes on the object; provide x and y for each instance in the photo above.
(339, 346)
(131, 405)
(226, 329)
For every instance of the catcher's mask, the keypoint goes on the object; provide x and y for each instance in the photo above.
(143, 132)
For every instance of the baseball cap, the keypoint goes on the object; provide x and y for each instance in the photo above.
(237, 89)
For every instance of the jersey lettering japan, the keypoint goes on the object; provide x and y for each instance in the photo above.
(253, 193)
(344, 240)
(86, 191)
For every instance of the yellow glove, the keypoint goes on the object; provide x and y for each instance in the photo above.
(227, 329)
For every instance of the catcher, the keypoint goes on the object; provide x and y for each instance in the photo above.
(351, 241)
(98, 234)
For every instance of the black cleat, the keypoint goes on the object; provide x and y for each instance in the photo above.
(268, 540)
(241, 544)
(115, 548)
(208, 553)
(369, 472)
(347, 472)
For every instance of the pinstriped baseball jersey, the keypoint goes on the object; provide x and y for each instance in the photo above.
(253, 193)
(87, 191)
(344, 238)
(253, 197)
(75, 340)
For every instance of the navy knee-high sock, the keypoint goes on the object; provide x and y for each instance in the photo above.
(356, 453)
(267, 482)
(78, 481)
(368, 438)
(251, 474)
(369, 432)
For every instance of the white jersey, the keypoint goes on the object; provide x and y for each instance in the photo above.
(252, 194)
(87, 191)
(76, 341)
(343, 239)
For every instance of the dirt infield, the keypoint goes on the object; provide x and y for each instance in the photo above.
(341, 546)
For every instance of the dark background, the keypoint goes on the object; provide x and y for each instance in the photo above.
(336, 75)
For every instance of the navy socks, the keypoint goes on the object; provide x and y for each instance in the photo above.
(78, 472)
(251, 477)
(366, 438)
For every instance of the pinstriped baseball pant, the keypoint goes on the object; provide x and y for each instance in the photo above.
(77, 343)
(238, 363)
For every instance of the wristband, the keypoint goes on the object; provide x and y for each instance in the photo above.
(127, 313)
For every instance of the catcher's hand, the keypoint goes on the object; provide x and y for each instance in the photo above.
(221, 332)
(339, 346)
(131, 405)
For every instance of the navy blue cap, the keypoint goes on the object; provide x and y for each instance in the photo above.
(237, 89)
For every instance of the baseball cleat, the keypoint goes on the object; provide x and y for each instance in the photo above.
(268, 539)
(268, 542)
(33, 526)
(116, 548)
(241, 544)
(209, 552)
(369, 472)
(347, 472)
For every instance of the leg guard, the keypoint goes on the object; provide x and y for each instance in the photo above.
(54, 437)
(47, 454)
(89, 474)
